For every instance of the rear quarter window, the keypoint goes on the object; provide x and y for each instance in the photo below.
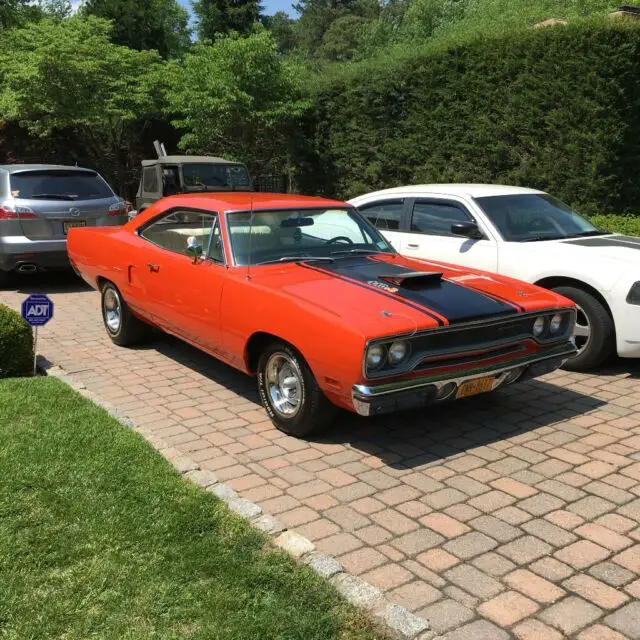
(72, 185)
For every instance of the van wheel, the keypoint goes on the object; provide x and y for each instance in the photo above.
(594, 335)
(122, 326)
(290, 394)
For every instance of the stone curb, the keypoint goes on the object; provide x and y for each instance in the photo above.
(397, 621)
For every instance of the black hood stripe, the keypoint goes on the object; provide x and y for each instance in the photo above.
(368, 287)
(450, 300)
(495, 296)
(628, 242)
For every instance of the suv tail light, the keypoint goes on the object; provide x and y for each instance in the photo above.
(9, 212)
(118, 209)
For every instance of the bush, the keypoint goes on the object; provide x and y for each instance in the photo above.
(16, 345)
(627, 225)
(556, 109)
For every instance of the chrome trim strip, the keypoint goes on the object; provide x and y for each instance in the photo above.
(364, 392)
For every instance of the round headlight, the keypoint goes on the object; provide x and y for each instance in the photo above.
(556, 323)
(538, 327)
(398, 351)
(375, 356)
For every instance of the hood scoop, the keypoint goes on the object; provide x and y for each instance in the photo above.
(413, 279)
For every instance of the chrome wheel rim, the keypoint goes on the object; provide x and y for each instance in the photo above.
(582, 331)
(112, 310)
(284, 384)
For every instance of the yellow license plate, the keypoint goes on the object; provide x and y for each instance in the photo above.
(474, 387)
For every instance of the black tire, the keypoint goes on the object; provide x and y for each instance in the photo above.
(130, 330)
(601, 345)
(314, 413)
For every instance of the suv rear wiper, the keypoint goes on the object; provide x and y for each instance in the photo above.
(352, 251)
(297, 259)
(55, 196)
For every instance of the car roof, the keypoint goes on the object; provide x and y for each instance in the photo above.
(471, 190)
(17, 168)
(187, 159)
(244, 201)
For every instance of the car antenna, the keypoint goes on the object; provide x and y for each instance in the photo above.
(250, 236)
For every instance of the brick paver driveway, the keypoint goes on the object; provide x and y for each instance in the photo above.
(511, 515)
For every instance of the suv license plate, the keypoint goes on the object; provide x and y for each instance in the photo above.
(76, 223)
(474, 387)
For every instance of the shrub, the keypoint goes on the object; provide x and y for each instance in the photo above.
(16, 345)
(556, 109)
(628, 225)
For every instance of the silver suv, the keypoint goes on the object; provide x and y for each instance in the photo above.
(38, 206)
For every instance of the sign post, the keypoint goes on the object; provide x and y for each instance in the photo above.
(37, 310)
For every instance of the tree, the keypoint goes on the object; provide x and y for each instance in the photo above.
(282, 29)
(344, 37)
(224, 16)
(237, 97)
(316, 17)
(145, 24)
(16, 12)
(67, 76)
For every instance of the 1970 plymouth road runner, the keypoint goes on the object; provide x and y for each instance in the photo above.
(308, 296)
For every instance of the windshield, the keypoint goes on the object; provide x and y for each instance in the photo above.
(531, 217)
(59, 185)
(214, 176)
(293, 234)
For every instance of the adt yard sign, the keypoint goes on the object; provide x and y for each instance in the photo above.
(37, 310)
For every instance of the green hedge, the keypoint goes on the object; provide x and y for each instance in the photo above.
(16, 345)
(556, 109)
(628, 225)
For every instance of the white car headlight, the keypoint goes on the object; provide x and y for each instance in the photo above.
(556, 323)
(398, 351)
(538, 326)
(376, 355)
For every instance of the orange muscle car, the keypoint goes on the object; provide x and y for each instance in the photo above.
(305, 294)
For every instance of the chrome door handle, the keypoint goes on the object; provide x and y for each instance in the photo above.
(413, 246)
(153, 267)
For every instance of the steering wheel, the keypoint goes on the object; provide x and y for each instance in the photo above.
(339, 239)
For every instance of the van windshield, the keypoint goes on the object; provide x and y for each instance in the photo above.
(51, 184)
(214, 176)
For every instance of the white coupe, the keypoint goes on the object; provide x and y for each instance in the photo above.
(528, 235)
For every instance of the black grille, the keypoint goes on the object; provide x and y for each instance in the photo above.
(472, 338)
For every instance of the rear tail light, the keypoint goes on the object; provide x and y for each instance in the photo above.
(9, 212)
(118, 209)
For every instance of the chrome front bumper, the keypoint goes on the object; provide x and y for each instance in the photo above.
(418, 392)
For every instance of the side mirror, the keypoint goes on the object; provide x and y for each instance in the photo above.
(194, 250)
(467, 229)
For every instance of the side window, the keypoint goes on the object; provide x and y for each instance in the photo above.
(436, 218)
(172, 232)
(150, 179)
(385, 215)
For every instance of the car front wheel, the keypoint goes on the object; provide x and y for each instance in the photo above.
(290, 394)
(594, 334)
(122, 326)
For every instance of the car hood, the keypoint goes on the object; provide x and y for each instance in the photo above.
(385, 294)
(614, 247)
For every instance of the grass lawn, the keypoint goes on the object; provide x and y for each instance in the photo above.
(100, 538)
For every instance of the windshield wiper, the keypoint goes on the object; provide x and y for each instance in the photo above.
(352, 251)
(298, 259)
(541, 238)
(55, 196)
(586, 234)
